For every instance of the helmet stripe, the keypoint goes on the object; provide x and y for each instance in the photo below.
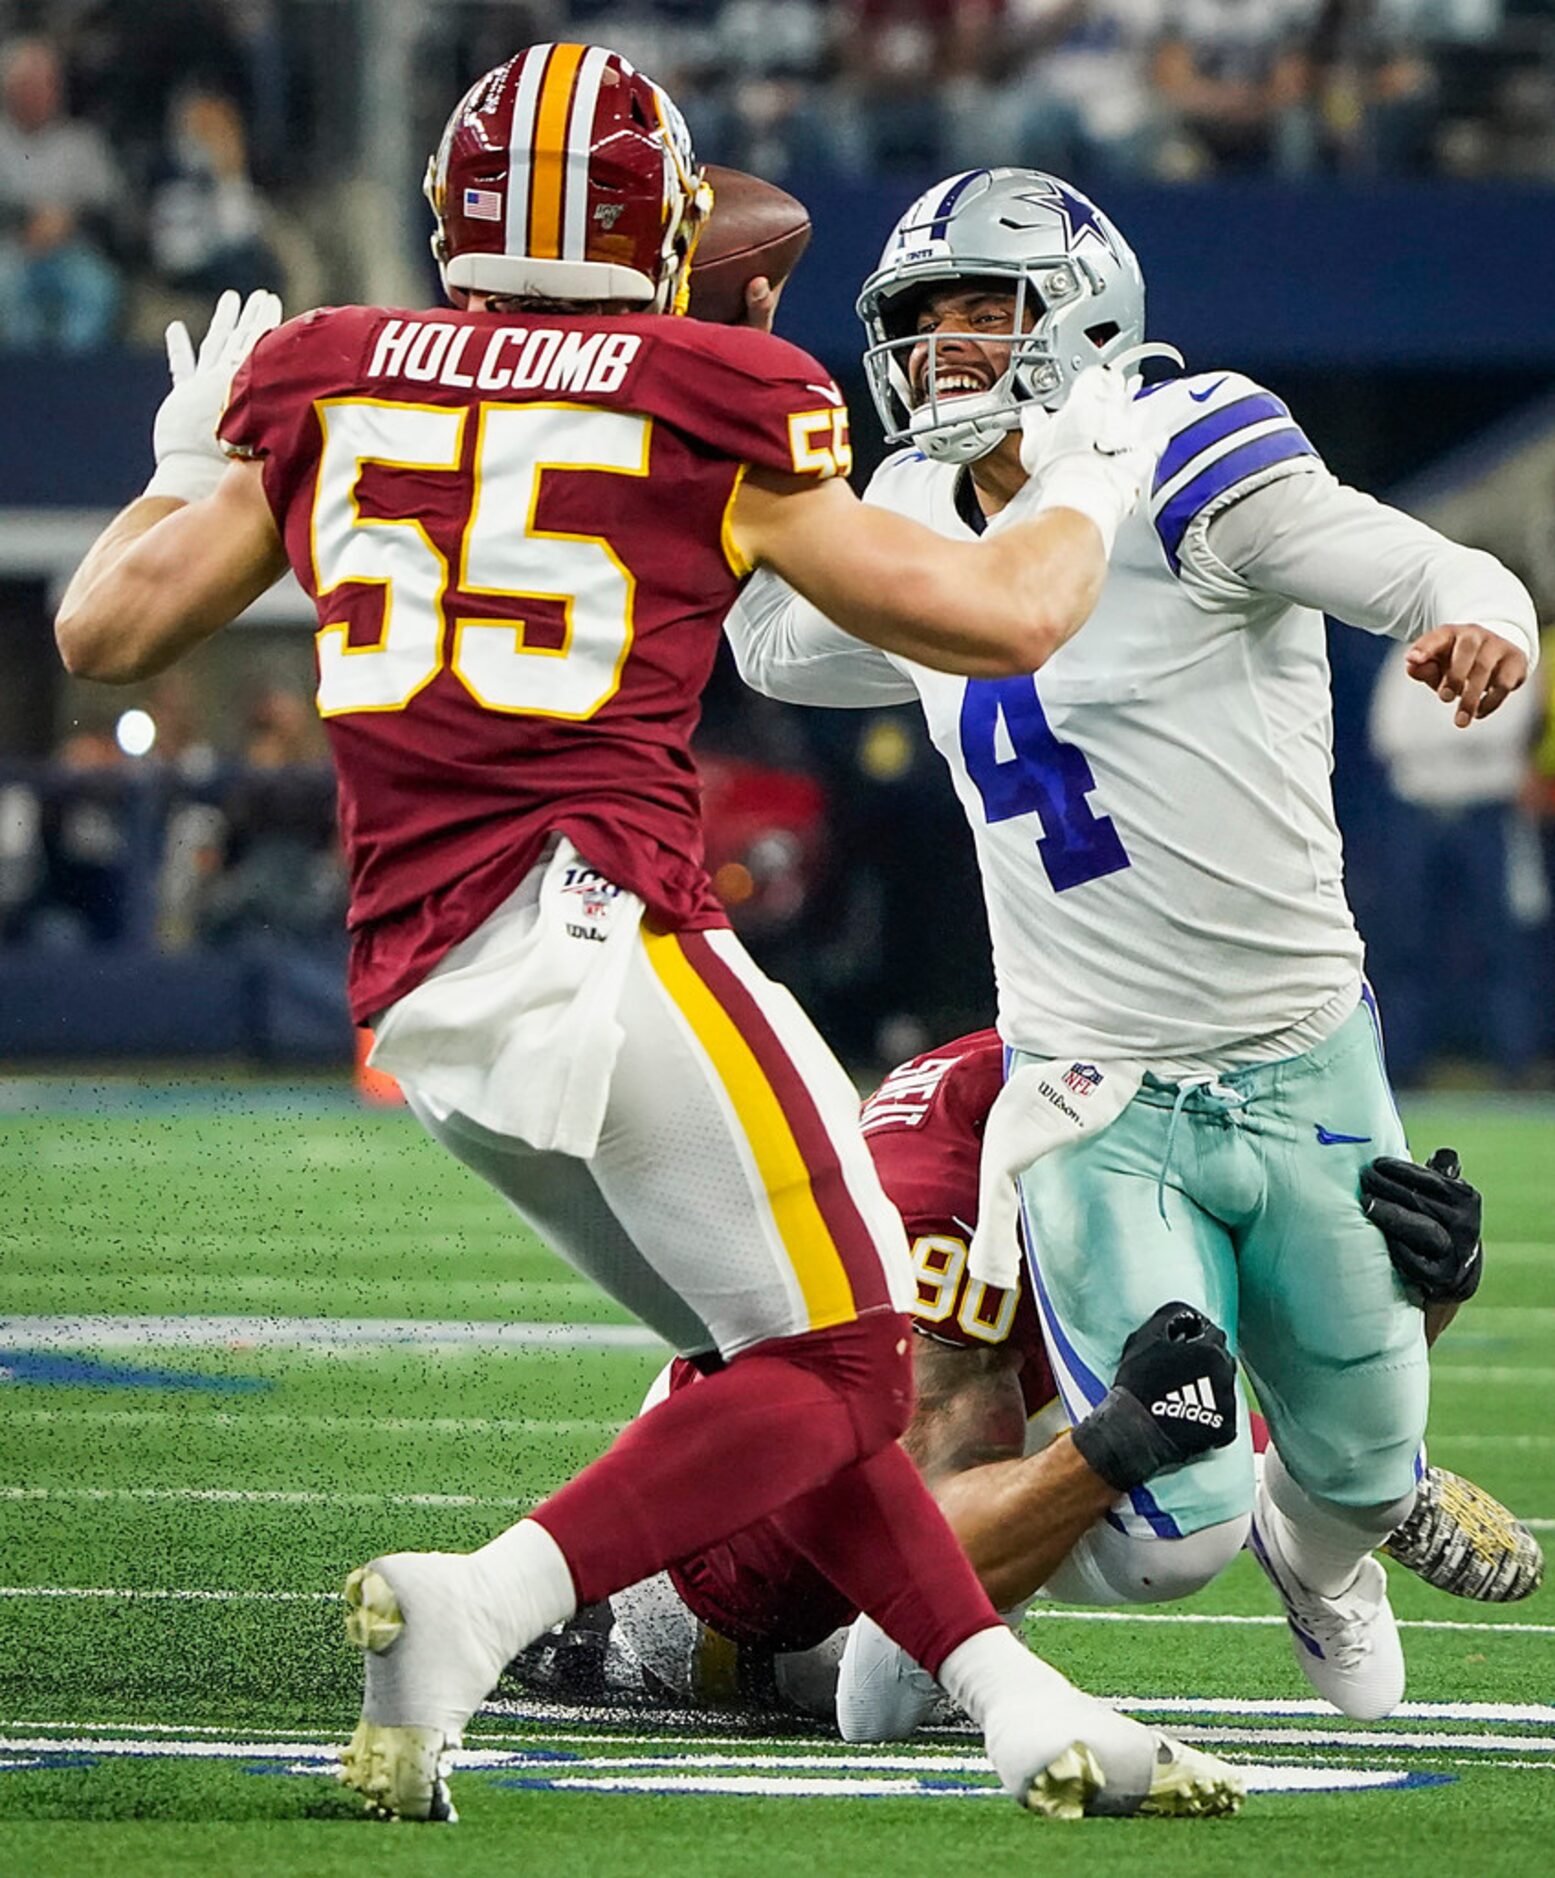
(549, 175)
(521, 137)
(580, 141)
(951, 197)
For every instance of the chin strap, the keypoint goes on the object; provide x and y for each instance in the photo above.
(1132, 357)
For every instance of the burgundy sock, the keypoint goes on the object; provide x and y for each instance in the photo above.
(712, 1458)
(875, 1531)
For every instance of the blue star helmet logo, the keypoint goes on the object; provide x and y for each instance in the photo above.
(1081, 218)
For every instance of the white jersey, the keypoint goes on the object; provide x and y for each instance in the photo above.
(1152, 813)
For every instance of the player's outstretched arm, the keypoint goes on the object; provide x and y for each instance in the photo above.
(166, 574)
(988, 609)
(193, 551)
(1469, 621)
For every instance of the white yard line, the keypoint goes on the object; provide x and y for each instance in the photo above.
(1493, 1375)
(185, 1595)
(1535, 1712)
(255, 1417)
(94, 1332)
(1204, 1617)
(211, 1595)
(259, 1496)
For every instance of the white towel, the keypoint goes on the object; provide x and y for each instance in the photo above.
(517, 1028)
(1043, 1106)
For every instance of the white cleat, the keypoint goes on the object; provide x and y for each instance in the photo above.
(882, 1694)
(1185, 1783)
(431, 1659)
(1347, 1645)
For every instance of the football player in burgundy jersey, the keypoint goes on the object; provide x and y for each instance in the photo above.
(522, 519)
(750, 1621)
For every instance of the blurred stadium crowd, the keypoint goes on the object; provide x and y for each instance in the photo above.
(154, 150)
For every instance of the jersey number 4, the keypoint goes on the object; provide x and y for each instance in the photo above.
(503, 556)
(1040, 777)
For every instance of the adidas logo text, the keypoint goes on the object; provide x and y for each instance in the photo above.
(1194, 1402)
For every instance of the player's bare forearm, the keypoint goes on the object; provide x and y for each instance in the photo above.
(1017, 1517)
(1018, 1520)
(987, 609)
(164, 575)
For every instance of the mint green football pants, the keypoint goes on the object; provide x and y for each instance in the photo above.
(1251, 1211)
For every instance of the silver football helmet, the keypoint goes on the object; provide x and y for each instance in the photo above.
(1065, 261)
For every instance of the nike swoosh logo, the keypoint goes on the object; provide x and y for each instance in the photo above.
(1326, 1138)
(1203, 397)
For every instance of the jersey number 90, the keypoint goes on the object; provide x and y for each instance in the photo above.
(502, 556)
(946, 1294)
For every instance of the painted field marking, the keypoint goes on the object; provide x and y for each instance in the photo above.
(259, 1496)
(1205, 1617)
(1532, 1712)
(99, 1332)
(674, 1735)
(1490, 1441)
(1492, 1375)
(284, 1420)
(1359, 1739)
(954, 1776)
(212, 1595)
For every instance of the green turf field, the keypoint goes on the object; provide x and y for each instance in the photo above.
(202, 1428)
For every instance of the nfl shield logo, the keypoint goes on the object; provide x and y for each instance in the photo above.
(483, 205)
(1082, 1078)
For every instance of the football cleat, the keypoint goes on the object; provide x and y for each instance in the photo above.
(430, 1662)
(1185, 1783)
(1462, 1540)
(882, 1694)
(1347, 1645)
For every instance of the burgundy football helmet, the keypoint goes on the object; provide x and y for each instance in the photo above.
(567, 175)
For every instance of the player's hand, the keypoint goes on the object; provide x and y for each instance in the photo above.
(1430, 1217)
(761, 304)
(1174, 1398)
(1089, 455)
(190, 461)
(1470, 663)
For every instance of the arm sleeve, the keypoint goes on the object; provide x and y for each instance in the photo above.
(788, 649)
(1314, 541)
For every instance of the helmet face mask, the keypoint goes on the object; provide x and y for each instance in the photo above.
(1011, 229)
(567, 175)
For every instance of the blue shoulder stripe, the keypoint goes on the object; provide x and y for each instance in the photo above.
(1256, 408)
(1222, 476)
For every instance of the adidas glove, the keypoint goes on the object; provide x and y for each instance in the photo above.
(1430, 1217)
(1174, 1398)
(190, 460)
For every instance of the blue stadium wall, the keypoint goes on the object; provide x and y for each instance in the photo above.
(1397, 319)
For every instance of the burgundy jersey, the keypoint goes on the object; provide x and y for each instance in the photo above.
(515, 532)
(924, 1126)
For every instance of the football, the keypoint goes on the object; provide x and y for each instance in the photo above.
(755, 228)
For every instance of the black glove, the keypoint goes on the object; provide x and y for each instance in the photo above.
(1174, 1398)
(1430, 1217)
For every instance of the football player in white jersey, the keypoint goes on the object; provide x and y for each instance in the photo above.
(1163, 874)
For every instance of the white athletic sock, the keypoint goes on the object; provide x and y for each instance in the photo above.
(1324, 1542)
(994, 1667)
(1029, 1713)
(527, 1584)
